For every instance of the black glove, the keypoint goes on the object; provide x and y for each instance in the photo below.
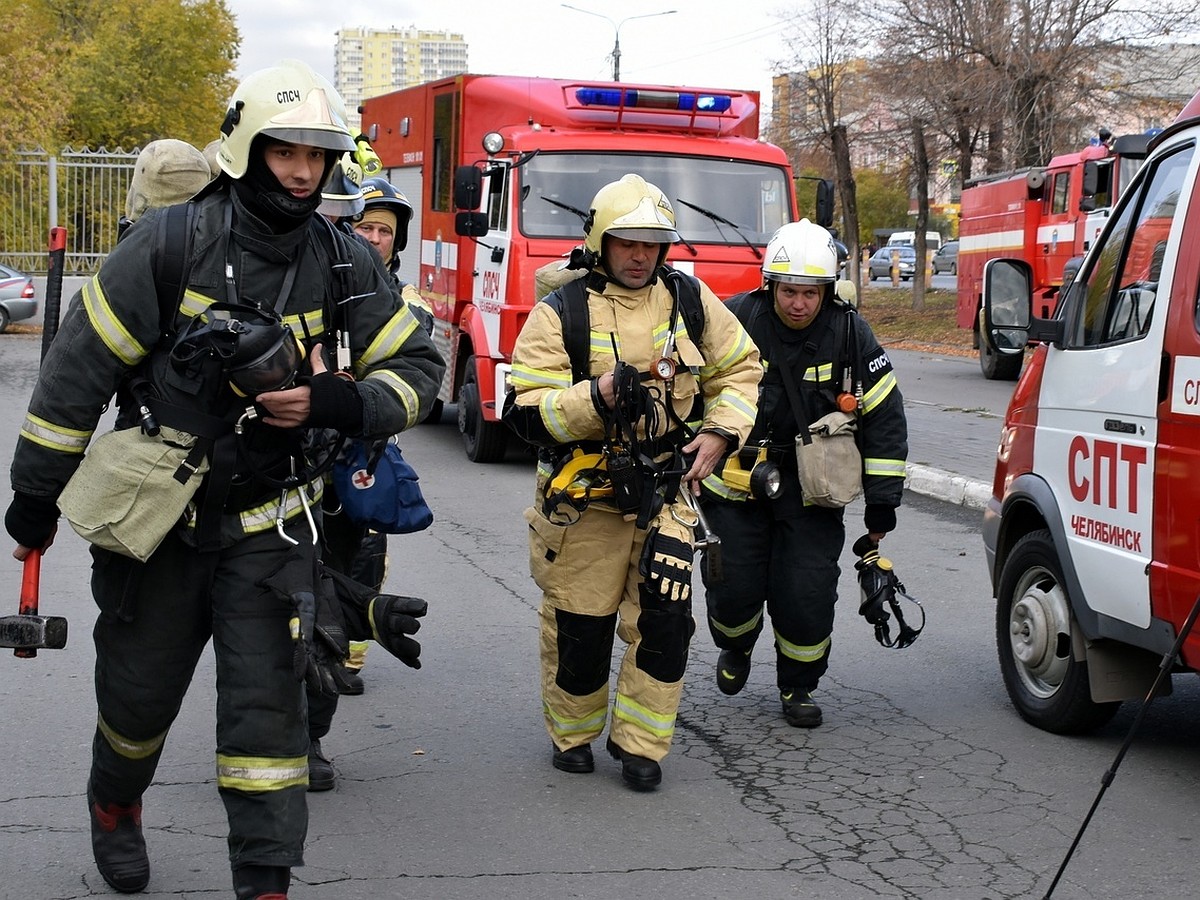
(877, 583)
(31, 519)
(387, 618)
(334, 402)
(320, 647)
(666, 564)
(393, 618)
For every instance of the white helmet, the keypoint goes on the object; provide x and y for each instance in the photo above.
(288, 102)
(801, 253)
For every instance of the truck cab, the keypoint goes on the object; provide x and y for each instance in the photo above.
(501, 171)
(1092, 534)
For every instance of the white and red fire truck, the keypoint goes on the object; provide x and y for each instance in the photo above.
(538, 150)
(1044, 216)
(1093, 532)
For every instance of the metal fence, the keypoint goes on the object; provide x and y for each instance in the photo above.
(82, 190)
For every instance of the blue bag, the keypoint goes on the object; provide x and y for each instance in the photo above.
(379, 489)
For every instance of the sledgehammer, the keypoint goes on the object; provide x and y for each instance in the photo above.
(27, 631)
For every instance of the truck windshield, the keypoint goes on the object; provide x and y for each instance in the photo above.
(753, 195)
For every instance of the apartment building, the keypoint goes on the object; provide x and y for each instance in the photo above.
(373, 61)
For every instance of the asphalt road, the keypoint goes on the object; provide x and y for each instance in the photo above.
(923, 782)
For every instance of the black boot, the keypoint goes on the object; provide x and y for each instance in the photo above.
(576, 759)
(118, 844)
(638, 772)
(321, 776)
(733, 668)
(799, 708)
(261, 882)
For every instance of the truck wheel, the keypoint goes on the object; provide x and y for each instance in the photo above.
(996, 366)
(953, 268)
(484, 441)
(1046, 683)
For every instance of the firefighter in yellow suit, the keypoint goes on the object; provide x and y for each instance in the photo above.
(625, 434)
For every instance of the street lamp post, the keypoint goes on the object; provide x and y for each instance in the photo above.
(616, 52)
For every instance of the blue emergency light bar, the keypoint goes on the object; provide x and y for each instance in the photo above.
(633, 98)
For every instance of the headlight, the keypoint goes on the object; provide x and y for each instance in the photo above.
(493, 142)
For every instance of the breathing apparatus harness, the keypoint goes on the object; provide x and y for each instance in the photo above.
(623, 470)
(880, 588)
(248, 349)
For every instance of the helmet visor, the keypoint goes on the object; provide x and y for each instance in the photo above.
(649, 235)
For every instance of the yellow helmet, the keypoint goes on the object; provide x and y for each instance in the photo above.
(801, 253)
(287, 102)
(632, 209)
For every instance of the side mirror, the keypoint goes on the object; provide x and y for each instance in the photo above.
(471, 224)
(468, 188)
(825, 202)
(1091, 181)
(1007, 305)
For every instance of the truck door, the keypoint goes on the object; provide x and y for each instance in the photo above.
(488, 277)
(1097, 427)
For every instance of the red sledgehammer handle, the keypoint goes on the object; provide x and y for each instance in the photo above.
(30, 581)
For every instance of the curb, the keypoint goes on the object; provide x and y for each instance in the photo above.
(946, 486)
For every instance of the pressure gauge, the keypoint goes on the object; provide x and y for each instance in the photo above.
(663, 368)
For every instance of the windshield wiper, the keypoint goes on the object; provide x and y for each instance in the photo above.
(717, 217)
(567, 206)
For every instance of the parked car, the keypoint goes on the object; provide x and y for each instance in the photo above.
(880, 264)
(946, 259)
(17, 300)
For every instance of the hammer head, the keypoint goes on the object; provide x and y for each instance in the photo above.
(33, 632)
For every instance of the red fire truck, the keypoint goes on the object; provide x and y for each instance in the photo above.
(501, 171)
(1046, 217)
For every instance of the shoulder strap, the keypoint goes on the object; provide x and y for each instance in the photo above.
(686, 291)
(172, 259)
(571, 304)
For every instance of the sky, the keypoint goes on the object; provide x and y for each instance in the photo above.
(705, 43)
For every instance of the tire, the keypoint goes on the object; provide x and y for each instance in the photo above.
(4, 320)
(996, 366)
(484, 441)
(953, 268)
(1046, 683)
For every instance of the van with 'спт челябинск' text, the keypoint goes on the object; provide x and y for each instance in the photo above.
(1091, 531)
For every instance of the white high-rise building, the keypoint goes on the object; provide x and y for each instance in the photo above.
(373, 61)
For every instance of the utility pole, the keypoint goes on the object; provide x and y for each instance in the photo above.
(616, 51)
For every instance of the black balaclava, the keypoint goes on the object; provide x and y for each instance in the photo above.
(266, 198)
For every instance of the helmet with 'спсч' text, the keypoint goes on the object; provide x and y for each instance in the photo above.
(287, 102)
(378, 192)
(631, 209)
(801, 253)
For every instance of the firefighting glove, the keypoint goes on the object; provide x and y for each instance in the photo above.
(319, 644)
(874, 581)
(387, 618)
(666, 564)
(879, 588)
(393, 618)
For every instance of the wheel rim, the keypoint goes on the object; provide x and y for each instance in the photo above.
(1039, 631)
(466, 419)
